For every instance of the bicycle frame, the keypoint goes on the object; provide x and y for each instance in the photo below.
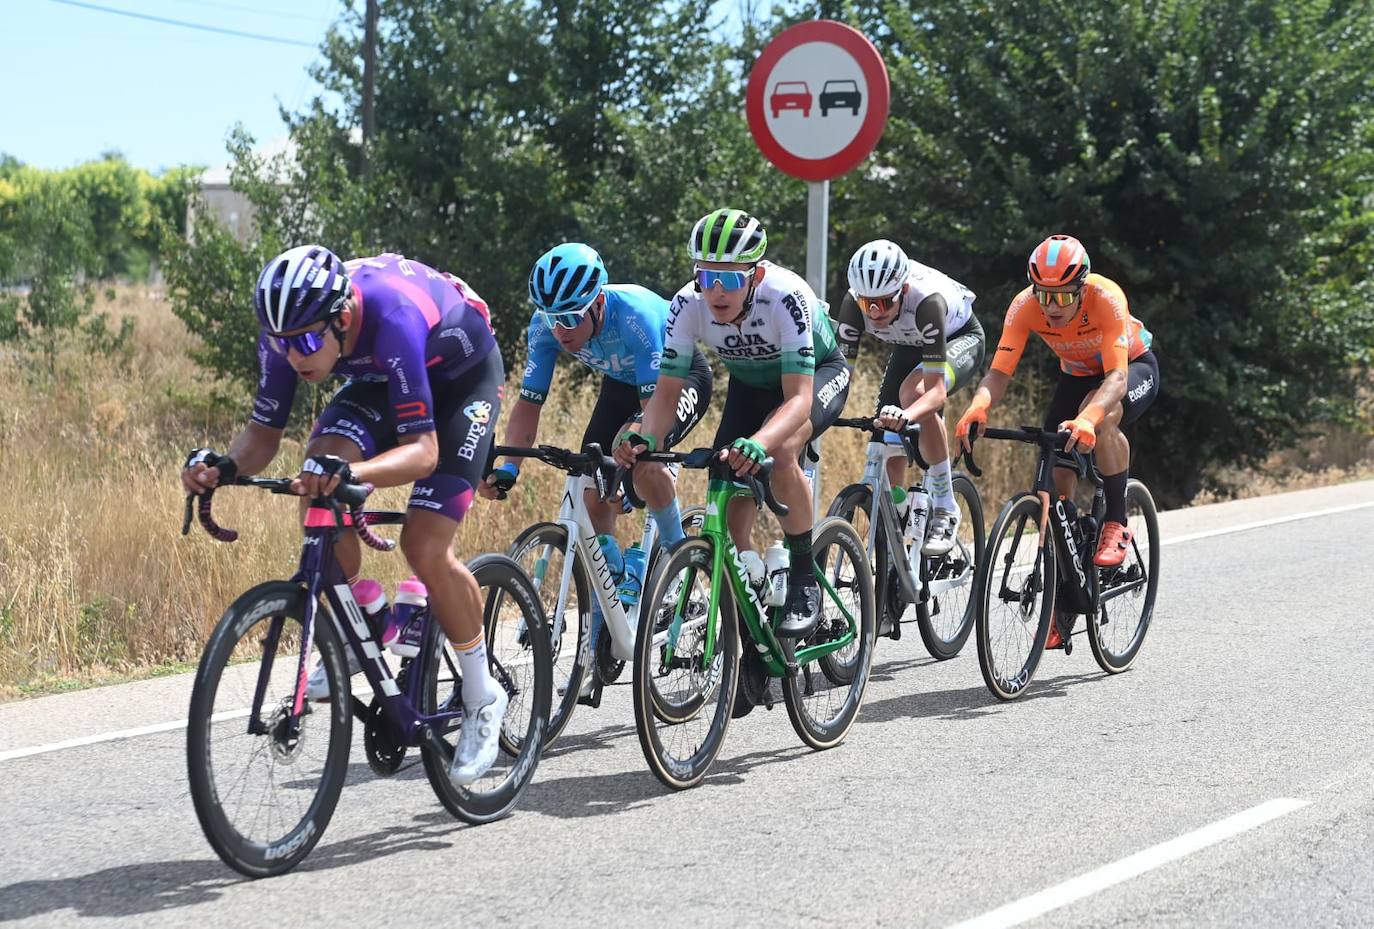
(725, 560)
(573, 517)
(321, 575)
(1084, 579)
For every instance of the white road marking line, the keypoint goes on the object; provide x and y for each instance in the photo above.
(1260, 524)
(1074, 889)
(111, 736)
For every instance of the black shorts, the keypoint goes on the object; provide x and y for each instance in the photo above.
(964, 352)
(618, 403)
(1142, 386)
(747, 406)
(465, 413)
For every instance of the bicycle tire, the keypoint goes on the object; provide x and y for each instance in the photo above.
(940, 645)
(502, 581)
(1019, 512)
(526, 542)
(858, 498)
(834, 533)
(1108, 658)
(266, 602)
(690, 558)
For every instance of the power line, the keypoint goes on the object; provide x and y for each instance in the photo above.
(178, 22)
(253, 9)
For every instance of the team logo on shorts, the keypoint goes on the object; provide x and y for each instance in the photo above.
(479, 411)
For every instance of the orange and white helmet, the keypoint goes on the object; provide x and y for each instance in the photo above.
(1059, 261)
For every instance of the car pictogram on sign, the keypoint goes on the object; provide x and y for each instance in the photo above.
(837, 95)
(791, 95)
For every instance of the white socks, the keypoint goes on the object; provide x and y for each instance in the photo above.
(940, 480)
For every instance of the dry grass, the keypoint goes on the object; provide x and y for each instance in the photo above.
(96, 582)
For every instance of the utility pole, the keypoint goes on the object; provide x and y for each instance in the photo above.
(369, 76)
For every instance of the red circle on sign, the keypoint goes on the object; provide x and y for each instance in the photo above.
(870, 62)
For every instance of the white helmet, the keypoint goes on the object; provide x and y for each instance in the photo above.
(878, 268)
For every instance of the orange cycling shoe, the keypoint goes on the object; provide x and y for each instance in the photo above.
(1112, 547)
(1054, 639)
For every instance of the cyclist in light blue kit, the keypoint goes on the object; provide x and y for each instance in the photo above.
(616, 329)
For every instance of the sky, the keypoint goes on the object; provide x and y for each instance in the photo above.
(77, 82)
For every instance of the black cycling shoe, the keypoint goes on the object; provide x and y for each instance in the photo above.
(803, 612)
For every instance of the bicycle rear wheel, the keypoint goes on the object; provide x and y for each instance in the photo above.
(683, 702)
(821, 709)
(264, 795)
(1015, 598)
(540, 550)
(522, 664)
(946, 617)
(1126, 598)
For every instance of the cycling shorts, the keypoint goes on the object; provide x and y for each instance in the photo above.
(964, 353)
(1142, 386)
(618, 403)
(748, 407)
(465, 413)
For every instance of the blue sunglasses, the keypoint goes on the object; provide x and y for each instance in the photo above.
(305, 343)
(730, 280)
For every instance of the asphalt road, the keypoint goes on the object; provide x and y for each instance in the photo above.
(1224, 781)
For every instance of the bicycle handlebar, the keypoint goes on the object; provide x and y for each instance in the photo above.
(759, 483)
(351, 495)
(1031, 435)
(590, 462)
(908, 436)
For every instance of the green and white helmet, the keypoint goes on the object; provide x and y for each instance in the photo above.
(728, 235)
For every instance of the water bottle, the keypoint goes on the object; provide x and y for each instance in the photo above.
(632, 581)
(411, 598)
(918, 512)
(372, 598)
(777, 562)
(902, 505)
(752, 567)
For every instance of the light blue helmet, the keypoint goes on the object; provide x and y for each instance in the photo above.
(566, 278)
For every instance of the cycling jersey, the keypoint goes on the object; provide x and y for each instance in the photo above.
(784, 331)
(628, 348)
(415, 325)
(934, 306)
(1103, 336)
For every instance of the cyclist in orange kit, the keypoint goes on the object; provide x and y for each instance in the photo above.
(1108, 374)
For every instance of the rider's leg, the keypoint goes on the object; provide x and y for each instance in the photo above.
(347, 550)
(903, 361)
(1113, 455)
(1069, 394)
(653, 481)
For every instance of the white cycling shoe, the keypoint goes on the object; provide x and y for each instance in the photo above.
(317, 686)
(479, 740)
(944, 524)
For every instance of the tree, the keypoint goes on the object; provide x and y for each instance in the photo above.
(1201, 149)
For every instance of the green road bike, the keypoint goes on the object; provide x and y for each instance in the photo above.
(706, 652)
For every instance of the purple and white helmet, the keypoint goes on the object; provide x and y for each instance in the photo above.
(300, 287)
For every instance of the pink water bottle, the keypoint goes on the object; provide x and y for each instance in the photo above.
(372, 598)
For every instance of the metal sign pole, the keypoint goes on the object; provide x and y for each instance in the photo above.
(817, 232)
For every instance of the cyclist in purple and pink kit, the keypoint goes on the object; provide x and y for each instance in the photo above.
(422, 397)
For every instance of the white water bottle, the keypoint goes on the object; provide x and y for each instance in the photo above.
(777, 562)
(751, 564)
(918, 512)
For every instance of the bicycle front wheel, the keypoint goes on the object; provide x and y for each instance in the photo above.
(854, 504)
(540, 550)
(1126, 598)
(945, 617)
(263, 793)
(1015, 597)
(821, 709)
(521, 663)
(682, 699)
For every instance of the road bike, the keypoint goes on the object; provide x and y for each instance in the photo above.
(569, 571)
(1038, 569)
(266, 765)
(940, 586)
(706, 651)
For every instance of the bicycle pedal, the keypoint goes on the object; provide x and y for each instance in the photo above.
(593, 699)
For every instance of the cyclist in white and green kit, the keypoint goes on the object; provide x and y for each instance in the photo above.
(788, 382)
